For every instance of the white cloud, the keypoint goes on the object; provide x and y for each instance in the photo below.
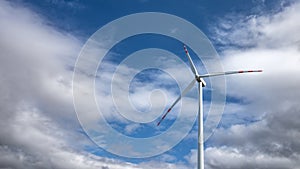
(36, 95)
(231, 158)
(192, 158)
(35, 141)
(129, 129)
(38, 124)
(271, 43)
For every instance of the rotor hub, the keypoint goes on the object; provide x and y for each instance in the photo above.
(199, 79)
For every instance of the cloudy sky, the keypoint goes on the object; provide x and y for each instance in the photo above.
(41, 41)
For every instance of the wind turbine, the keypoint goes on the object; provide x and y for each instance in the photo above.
(201, 83)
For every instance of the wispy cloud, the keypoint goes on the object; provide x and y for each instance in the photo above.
(38, 121)
(36, 97)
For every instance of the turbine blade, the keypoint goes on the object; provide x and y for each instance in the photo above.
(229, 73)
(193, 68)
(188, 88)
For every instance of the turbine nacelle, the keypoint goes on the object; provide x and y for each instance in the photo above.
(199, 79)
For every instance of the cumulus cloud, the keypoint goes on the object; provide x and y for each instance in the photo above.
(192, 158)
(35, 141)
(231, 158)
(269, 100)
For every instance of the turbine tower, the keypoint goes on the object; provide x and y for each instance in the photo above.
(201, 83)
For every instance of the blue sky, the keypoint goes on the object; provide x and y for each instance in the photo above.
(84, 18)
(42, 40)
